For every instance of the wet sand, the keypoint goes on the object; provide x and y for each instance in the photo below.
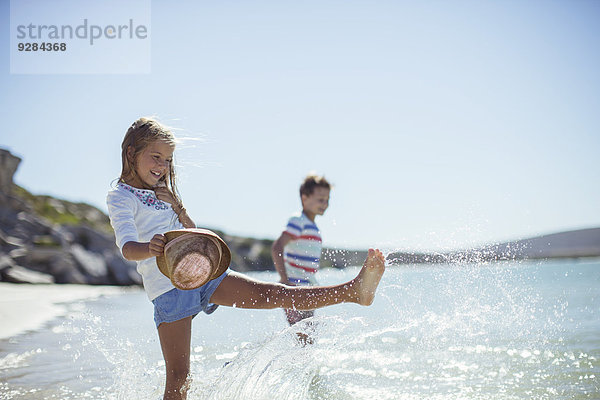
(25, 307)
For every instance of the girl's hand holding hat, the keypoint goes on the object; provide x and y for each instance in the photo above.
(157, 244)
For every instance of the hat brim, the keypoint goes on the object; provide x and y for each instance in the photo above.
(225, 252)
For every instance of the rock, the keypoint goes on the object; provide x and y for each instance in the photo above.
(17, 274)
(8, 243)
(11, 272)
(118, 270)
(8, 217)
(91, 265)
(40, 255)
(56, 262)
(64, 269)
(89, 238)
(121, 271)
(5, 261)
(18, 254)
(28, 225)
(8, 166)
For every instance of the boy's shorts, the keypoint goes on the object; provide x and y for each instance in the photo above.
(295, 316)
(177, 304)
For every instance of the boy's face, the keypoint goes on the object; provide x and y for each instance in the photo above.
(317, 202)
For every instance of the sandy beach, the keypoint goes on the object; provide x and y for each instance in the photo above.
(25, 307)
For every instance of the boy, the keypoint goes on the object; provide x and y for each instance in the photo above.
(297, 252)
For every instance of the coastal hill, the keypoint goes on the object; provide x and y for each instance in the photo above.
(48, 240)
(571, 244)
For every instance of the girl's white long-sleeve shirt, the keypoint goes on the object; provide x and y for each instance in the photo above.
(137, 215)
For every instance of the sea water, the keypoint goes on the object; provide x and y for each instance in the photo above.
(511, 330)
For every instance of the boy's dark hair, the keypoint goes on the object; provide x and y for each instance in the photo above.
(311, 182)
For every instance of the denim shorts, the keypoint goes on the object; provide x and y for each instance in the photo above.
(177, 304)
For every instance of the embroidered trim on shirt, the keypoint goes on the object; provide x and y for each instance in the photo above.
(147, 197)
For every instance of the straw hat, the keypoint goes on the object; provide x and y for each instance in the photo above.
(192, 257)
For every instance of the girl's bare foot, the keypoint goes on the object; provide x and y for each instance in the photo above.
(368, 278)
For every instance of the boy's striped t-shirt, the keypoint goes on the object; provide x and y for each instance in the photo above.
(301, 256)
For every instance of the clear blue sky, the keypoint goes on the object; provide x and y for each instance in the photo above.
(441, 124)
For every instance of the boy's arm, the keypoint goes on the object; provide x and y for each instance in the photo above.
(277, 255)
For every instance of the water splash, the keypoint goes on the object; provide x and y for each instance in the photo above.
(510, 330)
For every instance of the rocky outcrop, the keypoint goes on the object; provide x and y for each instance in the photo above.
(8, 166)
(47, 240)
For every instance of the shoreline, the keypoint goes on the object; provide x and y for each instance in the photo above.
(27, 307)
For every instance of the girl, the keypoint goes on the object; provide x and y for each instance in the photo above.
(145, 204)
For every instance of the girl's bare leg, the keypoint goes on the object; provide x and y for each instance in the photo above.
(241, 291)
(175, 340)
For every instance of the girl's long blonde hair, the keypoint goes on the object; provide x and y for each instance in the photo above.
(139, 135)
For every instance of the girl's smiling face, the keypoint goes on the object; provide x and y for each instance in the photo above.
(153, 164)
